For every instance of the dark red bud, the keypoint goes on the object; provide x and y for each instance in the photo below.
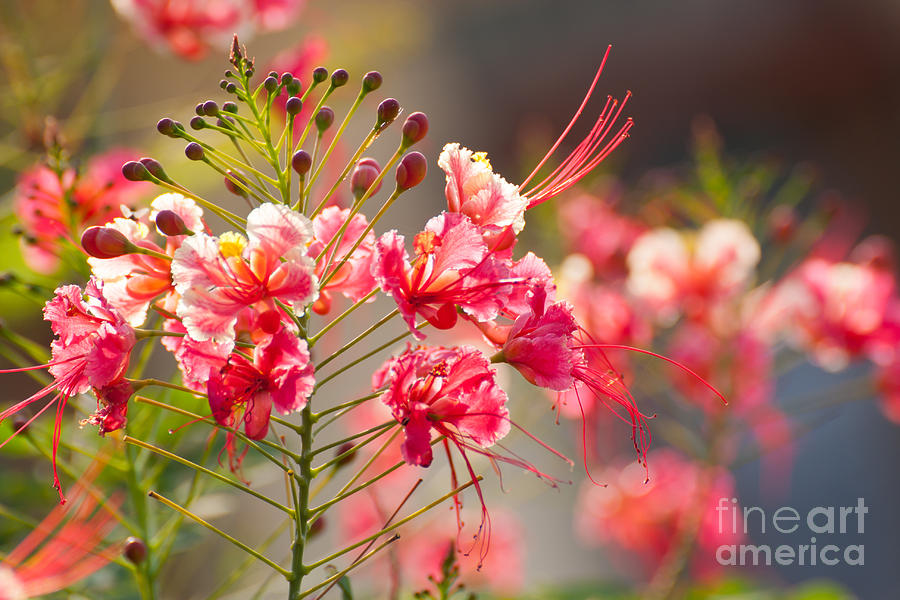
(339, 78)
(345, 460)
(155, 168)
(414, 128)
(197, 123)
(293, 87)
(169, 223)
(387, 112)
(231, 87)
(293, 105)
(324, 118)
(230, 107)
(103, 242)
(135, 550)
(317, 527)
(210, 108)
(20, 424)
(783, 223)
(371, 81)
(135, 171)
(199, 109)
(320, 74)
(194, 151)
(232, 187)
(270, 84)
(167, 126)
(411, 170)
(363, 176)
(301, 162)
(286, 78)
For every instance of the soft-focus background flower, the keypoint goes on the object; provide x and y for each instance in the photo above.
(809, 85)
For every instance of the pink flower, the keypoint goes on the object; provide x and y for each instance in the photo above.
(645, 517)
(217, 277)
(64, 548)
(449, 391)
(490, 202)
(452, 267)
(280, 376)
(133, 281)
(56, 208)
(582, 217)
(354, 279)
(274, 15)
(838, 311)
(673, 271)
(91, 350)
(197, 361)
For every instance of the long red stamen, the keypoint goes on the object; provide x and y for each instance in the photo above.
(592, 150)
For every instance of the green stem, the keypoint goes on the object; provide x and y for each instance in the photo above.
(337, 576)
(315, 338)
(359, 338)
(216, 530)
(143, 571)
(205, 471)
(302, 510)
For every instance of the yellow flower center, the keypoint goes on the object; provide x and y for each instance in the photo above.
(232, 244)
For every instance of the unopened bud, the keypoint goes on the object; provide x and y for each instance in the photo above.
(233, 187)
(293, 87)
(210, 108)
(169, 223)
(223, 83)
(167, 126)
(198, 123)
(783, 223)
(301, 162)
(414, 128)
(135, 171)
(411, 170)
(20, 424)
(317, 527)
(230, 107)
(320, 74)
(371, 81)
(103, 242)
(286, 78)
(135, 550)
(339, 78)
(324, 118)
(231, 87)
(270, 84)
(155, 169)
(363, 176)
(293, 105)
(387, 112)
(199, 109)
(348, 457)
(194, 151)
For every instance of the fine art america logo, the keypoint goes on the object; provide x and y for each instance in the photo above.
(820, 520)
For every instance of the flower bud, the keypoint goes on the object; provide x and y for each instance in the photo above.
(411, 170)
(320, 74)
(324, 119)
(135, 171)
(20, 423)
(363, 176)
(782, 223)
(169, 223)
(167, 126)
(135, 550)
(293, 87)
(230, 107)
(198, 123)
(317, 527)
(154, 167)
(371, 81)
(103, 242)
(301, 162)
(414, 128)
(231, 87)
(339, 78)
(270, 84)
(286, 78)
(223, 83)
(194, 151)
(345, 460)
(233, 187)
(293, 105)
(387, 112)
(210, 108)
(199, 109)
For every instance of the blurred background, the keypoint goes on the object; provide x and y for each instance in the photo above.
(809, 83)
